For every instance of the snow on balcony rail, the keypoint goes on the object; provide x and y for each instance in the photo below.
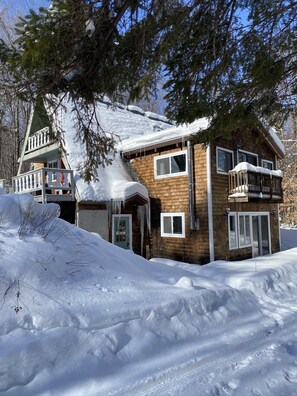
(245, 166)
(44, 182)
(39, 139)
(254, 182)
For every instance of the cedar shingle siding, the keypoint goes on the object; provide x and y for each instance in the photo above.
(171, 195)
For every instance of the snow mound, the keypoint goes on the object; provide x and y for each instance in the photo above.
(78, 312)
(185, 283)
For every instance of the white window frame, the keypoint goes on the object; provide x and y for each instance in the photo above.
(247, 152)
(233, 214)
(268, 162)
(245, 214)
(217, 159)
(172, 235)
(54, 176)
(176, 153)
(237, 228)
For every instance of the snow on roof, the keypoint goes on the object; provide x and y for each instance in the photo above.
(273, 135)
(114, 180)
(167, 135)
(276, 139)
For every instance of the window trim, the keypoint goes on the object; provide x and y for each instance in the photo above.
(233, 214)
(247, 152)
(268, 161)
(245, 214)
(217, 159)
(171, 214)
(49, 165)
(169, 155)
(237, 228)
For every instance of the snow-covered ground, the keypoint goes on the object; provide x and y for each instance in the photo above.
(80, 316)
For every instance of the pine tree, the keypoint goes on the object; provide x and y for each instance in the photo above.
(233, 61)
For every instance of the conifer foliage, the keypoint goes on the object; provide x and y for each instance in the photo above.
(233, 61)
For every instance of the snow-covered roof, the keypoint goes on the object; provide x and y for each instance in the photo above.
(179, 132)
(123, 121)
(165, 136)
(272, 133)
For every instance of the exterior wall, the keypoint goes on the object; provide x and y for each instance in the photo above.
(93, 218)
(171, 195)
(201, 243)
(220, 185)
(97, 217)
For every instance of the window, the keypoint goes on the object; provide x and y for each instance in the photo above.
(224, 160)
(232, 230)
(173, 225)
(54, 165)
(245, 156)
(244, 230)
(267, 164)
(171, 165)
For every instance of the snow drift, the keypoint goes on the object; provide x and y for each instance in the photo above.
(78, 313)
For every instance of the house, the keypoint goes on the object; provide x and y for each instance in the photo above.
(163, 195)
(214, 202)
(116, 206)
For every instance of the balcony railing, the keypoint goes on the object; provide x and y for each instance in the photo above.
(46, 184)
(250, 183)
(39, 139)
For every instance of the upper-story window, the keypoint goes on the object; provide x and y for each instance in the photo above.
(267, 164)
(246, 156)
(174, 164)
(53, 165)
(224, 160)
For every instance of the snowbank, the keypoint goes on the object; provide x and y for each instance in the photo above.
(80, 316)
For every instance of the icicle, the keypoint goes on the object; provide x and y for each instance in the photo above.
(109, 213)
(116, 206)
(141, 217)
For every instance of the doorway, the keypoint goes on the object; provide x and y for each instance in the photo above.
(261, 235)
(122, 231)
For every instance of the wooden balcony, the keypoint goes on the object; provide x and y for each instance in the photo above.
(38, 140)
(255, 184)
(46, 184)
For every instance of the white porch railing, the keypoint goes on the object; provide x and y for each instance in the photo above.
(39, 139)
(58, 184)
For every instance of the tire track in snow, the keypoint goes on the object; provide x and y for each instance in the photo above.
(203, 370)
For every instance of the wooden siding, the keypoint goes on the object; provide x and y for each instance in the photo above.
(254, 143)
(171, 195)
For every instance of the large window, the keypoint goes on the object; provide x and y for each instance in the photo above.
(173, 225)
(244, 230)
(246, 156)
(224, 160)
(232, 229)
(171, 165)
(249, 229)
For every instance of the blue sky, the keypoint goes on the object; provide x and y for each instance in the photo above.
(21, 7)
